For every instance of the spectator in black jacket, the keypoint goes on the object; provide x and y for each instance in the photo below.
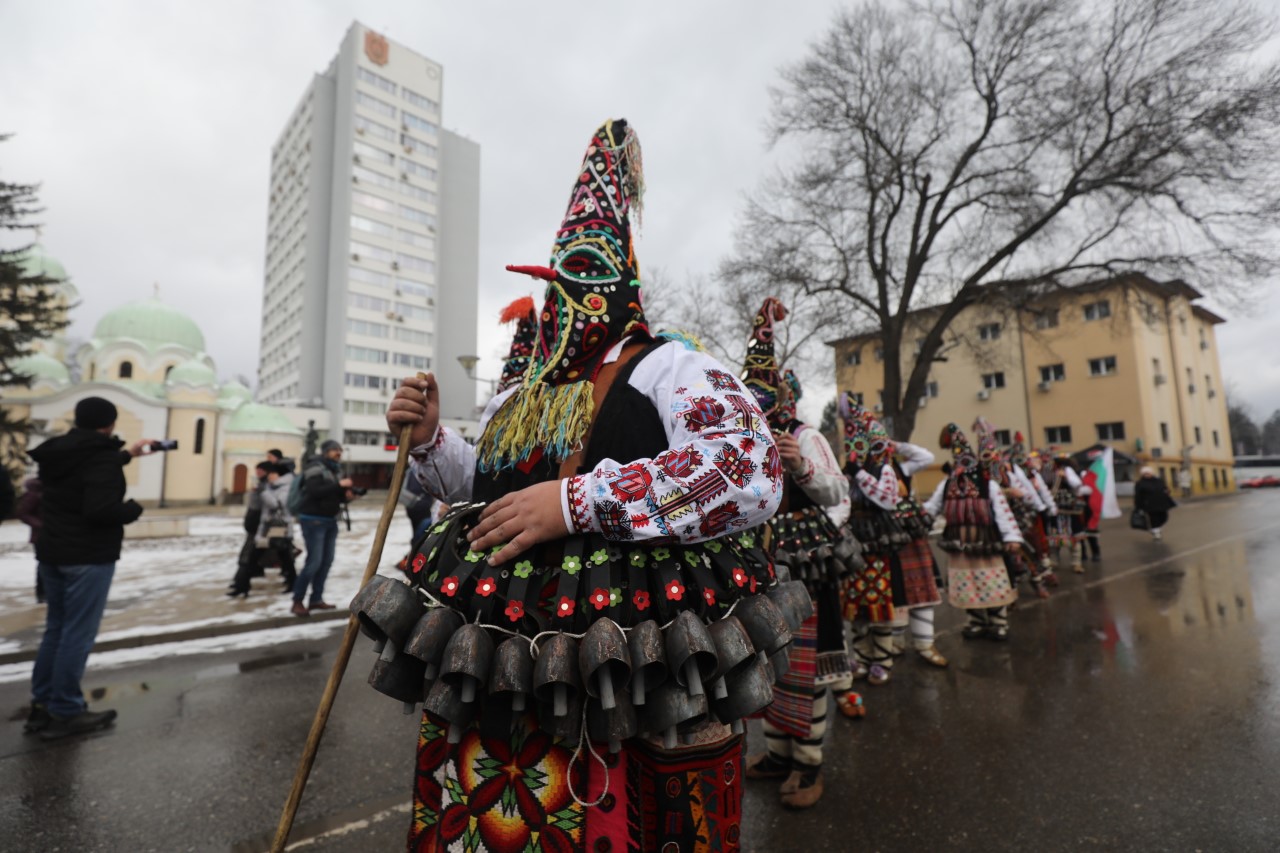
(324, 491)
(7, 494)
(28, 512)
(286, 464)
(1151, 495)
(83, 512)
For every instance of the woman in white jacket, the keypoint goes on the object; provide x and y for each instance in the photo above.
(275, 531)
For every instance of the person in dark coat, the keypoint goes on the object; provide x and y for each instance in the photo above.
(1151, 495)
(248, 565)
(83, 512)
(324, 493)
(7, 495)
(28, 512)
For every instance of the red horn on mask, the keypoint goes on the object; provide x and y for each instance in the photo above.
(544, 273)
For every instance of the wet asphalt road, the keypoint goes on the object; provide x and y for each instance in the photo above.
(1138, 709)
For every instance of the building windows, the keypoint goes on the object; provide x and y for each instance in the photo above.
(420, 216)
(418, 170)
(368, 251)
(373, 356)
(879, 353)
(363, 407)
(1197, 431)
(364, 327)
(1003, 437)
(420, 101)
(1113, 431)
(382, 229)
(198, 448)
(362, 380)
(1204, 484)
(1099, 310)
(414, 122)
(405, 287)
(1057, 434)
(413, 336)
(1104, 366)
(412, 262)
(1053, 373)
(420, 194)
(368, 176)
(370, 127)
(1047, 319)
(376, 104)
(412, 145)
(854, 358)
(375, 80)
(993, 380)
(1191, 382)
(1164, 432)
(379, 279)
(366, 438)
(368, 303)
(126, 370)
(1216, 442)
(1208, 386)
(374, 153)
(373, 202)
(413, 312)
(414, 239)
(416, 362)
(989, 332)
(857, 397)
(931, 389)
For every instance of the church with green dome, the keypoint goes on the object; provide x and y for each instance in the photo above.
(149, 359)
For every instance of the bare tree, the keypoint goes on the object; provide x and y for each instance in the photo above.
(951, 146)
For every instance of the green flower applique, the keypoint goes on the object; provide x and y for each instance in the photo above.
(474, 556)
(572, 565)
(615, 596)
(692, 558)
(713, 546)
(599, 558)
(523, 569)
(661, 554)
(638, 559)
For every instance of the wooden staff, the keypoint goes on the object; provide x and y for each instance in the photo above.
(344, 652)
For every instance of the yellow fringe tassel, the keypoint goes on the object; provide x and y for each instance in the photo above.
(553, 417)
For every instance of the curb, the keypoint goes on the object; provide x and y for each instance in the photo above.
(201, 633)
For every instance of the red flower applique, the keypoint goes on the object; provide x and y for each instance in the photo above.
(565, 608)
(418, 562)
(600, 599)
(515, 610)
(675, 591)
(710, 596)
(752, 586)
(486, 587)
(739, 577)
(449, 586)
(641, 599)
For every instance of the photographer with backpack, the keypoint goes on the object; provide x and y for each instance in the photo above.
(316, 498)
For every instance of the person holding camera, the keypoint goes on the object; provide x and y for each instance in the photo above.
(83, 512)
(323, 493)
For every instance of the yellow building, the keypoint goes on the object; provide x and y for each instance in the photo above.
(1130, 362)
(149, 359)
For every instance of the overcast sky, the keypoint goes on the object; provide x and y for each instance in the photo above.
(150, 125)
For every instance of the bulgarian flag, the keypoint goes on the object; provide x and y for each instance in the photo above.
(1101, 477)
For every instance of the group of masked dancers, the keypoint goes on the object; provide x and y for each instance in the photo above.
(624, 567)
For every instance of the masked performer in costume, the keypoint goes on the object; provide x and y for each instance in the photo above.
(814, 551)
(524, 314)
(1070, 495)
(920, 574)
(608, 586)
(980, 529)
(1036, 495)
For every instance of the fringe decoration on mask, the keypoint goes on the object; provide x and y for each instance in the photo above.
(552, 417)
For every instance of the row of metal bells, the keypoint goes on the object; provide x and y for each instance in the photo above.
(387, 611)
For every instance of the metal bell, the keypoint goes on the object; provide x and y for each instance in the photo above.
(750, 689)
(387, 613)
(512, 673)
(430, 635)
(444, 700)
(614, 725)
(779, 663)
(399, 678)
(793, 601)
(467, 661)
(691, 652)
(671, 709)
(648, 659)
(733, 649)
(605, 661)
(765, 624)
(566, 726)
(555, 676)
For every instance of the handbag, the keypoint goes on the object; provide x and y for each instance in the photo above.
(276, 534)
(1139, 520)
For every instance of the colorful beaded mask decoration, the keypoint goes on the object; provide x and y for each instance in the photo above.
(760, 370)
(592, 302)
(865, 438)
(524, 314)
(1017, 452)
(962, 457)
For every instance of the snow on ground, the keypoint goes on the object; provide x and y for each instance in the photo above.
(173, 584)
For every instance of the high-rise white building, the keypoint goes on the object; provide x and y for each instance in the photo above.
(372, 248)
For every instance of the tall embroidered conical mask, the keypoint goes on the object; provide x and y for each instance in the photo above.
(760, 370)
(865, 439)
(592, 302)
(524, 314)
(962, 456)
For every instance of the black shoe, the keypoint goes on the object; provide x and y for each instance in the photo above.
(1097, 558)
(82, 723)
(237, 593)
(37, 720)
(973, 632)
